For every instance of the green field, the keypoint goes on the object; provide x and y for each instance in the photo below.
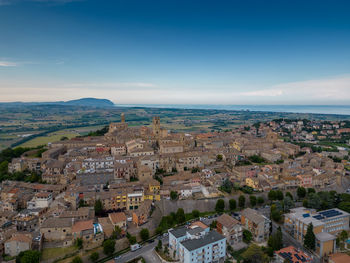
(52, 253)
(51, 137)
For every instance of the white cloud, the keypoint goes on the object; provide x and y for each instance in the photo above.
(7, 64)
(110, 85)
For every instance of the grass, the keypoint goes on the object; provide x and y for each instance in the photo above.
(238, 254)
(51, 137)
(51, 253)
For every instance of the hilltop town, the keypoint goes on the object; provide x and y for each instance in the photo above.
(186, 196)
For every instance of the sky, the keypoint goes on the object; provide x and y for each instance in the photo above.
(176, 52)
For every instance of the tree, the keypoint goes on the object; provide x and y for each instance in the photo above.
(226, 186)
(260, 200)
(314, 201)
(144, 234)
(272, 195)
(275, 241)
(254, 254)
(159, 245)
(343, 235)
(247, 236)
(288, 203)
(220, 206)
(219, 157)
(94, 256)
(180, 216)
(98, 207)
(233, 204)
(213, 224)
(309, 238)
(241, 201)
(77, 259)
(109, 247)
(311, 190)
(173, 195)
(252, 200)
(29, 256)
(301, 192)
(195, 213)
(79, 243)
(290, 195)
(279, 195)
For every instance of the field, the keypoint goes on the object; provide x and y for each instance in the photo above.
(52, 253)
(53, 122)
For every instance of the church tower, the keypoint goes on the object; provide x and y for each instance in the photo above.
(156, 126)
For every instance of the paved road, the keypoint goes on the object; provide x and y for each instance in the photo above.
(147, 252)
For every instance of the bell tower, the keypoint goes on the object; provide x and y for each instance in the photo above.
(156, 126)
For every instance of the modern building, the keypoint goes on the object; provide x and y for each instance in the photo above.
(326, 224)
(192, 244)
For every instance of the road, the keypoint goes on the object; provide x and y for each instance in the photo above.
(147, 252)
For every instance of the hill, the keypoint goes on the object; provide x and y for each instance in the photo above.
(90, 102)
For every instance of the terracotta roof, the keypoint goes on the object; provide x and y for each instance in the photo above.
(82, 225)
(227, 221)
(293, 255)
(339, 258)
(20, 238)
(117, 217)
(199, 224)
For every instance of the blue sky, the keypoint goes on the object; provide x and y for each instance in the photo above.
(200, 52)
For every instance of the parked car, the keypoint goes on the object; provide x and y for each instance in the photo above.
(135, 247)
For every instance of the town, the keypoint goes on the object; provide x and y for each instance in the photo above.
(275, 191)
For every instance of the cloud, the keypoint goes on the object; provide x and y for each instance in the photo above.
(263, 93)
(7, 63)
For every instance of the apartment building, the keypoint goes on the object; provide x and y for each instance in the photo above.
(196, 244)
(230, 228)
(256, 223)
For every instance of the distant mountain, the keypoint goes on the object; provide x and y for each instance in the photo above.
(89, 102)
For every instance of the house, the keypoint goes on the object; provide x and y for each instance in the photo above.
(230, 228)
(18, 243)
(40, 200)
(140, 215)
(256, 223)
(292, 255)
(118, 219)
(91, 233)
(57, 229)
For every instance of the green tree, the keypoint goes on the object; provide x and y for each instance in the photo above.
(309, 238)
(4, 167)
(173, 195)
(275, 241)
(279, 195)
(220, 206)
(144, 234)
(241, 201)
(29, 256)
(195, 213)
(98, 207)
(180, 216)
(254, 254)
(226, 186)
(343, 235)
(247, 236)
(233, 204)
(290, 195)
(314, 201)
(219, 157)
(159, 245)
(301, 192)
(77, 259)
(311, 190)
(288, 203)
(272, 195)
(260, 200)
(79, 243)
(94, 256)
(252, 200)
(109, 247)
(213, 224)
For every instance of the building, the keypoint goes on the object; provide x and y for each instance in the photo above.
(40, 200)
(17, 244)
(57, 229)
(326, 225)
(195, 244)
(230, 228)
(118, 219)
(256, 223)
(292, 255)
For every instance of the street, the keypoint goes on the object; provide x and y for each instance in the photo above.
(147, 252)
